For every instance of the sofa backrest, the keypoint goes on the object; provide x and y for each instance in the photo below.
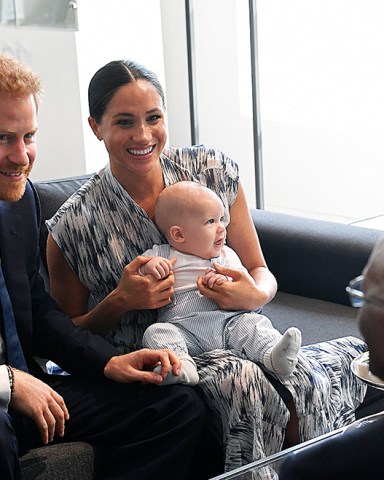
(313, 258)
(52, 194)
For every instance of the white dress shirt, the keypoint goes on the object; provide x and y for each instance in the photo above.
(5, 388)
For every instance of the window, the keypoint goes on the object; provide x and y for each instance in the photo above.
(321, 89)
(321, 72)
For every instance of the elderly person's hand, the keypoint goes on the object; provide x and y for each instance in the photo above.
(371, 315)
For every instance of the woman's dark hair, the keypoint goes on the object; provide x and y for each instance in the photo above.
(112, 76)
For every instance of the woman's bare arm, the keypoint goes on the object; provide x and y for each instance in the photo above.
(134, 292)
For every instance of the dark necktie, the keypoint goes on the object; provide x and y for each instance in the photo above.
(14, 352)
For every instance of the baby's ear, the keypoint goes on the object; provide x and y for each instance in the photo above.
(176, 233)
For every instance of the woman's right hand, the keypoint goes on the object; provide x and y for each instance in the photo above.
(138, 292)
(134, 292)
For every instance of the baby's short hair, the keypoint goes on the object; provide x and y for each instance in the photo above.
(176, 201)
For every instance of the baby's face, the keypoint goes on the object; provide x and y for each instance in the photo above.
(203, 229)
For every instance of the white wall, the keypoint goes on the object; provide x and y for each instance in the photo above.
(52, 54)
(321, 79)
(66, 60)
(153, 33)
(113, 30)
(321, 85)
(223, 79)
(322, 100)
(224, 83)
(176, 71)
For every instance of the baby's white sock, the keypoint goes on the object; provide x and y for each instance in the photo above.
(188, 373)
(282, 358)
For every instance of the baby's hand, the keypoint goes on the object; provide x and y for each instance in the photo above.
(159, 267)
(211, 278)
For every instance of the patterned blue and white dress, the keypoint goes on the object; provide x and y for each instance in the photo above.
(100, 229)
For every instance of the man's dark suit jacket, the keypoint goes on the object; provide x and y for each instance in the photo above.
(43, 329)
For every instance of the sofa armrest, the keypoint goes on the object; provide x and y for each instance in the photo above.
(313, 258)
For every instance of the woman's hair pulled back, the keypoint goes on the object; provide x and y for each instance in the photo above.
(112, 76)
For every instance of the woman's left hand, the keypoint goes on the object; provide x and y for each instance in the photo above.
(240, 294)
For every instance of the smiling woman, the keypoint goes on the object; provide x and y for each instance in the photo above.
(134, 133)
(95, 250)
(127, 112)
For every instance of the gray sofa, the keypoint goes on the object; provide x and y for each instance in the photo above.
(313, 262)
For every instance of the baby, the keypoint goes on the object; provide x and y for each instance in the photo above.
(191, 217)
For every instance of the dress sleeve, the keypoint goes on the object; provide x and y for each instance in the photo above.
(220, 173)
(208, 166)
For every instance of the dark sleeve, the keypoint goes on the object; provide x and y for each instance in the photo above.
(54, 335)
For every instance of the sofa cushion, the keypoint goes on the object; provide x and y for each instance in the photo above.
(65, 461)
(313, 258)
(318, 320)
